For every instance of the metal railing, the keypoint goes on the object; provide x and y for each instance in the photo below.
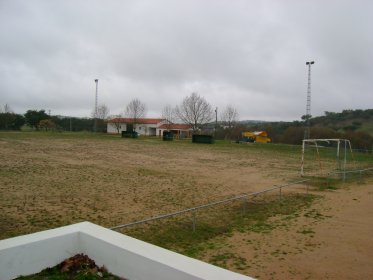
(207, 205)
(194, 209)
(346, 172)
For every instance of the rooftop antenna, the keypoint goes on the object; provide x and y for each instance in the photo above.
(95, 114)
(308, 108)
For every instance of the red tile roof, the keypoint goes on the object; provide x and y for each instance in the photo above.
(138, 121)
(176, 126)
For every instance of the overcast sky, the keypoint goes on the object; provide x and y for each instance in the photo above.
(250, 54)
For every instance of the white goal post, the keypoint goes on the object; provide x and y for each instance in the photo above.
(346, 143)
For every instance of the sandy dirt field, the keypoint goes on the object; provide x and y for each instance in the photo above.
(333, 239)
(47, 182)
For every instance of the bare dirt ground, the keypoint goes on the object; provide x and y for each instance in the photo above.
(333, 239)
(47, 182)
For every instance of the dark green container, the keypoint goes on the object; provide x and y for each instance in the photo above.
(206, 139)
(130, 134)
(168, 136)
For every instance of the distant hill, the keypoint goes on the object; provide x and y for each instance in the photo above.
(347, 120)
(356, 125)
(250, 122)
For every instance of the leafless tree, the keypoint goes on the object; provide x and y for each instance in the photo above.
(102, 112)
(115, 121)
(135, 110)
(229, 118)
(169, 114)
(195, 111)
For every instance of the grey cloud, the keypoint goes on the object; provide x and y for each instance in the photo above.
(247, 53)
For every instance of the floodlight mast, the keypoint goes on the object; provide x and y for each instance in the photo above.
(95, 116)
(216, 121)
(308, 107)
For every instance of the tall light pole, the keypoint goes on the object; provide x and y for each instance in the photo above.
(216, 121)
(308, 107)
(95, 116)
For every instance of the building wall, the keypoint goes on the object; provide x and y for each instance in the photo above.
(146, 129)
(141, 129)
(113, 130)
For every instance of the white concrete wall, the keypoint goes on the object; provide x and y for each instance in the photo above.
(141, 129)
(122, 255)
(29, 254)
(112, 128)
(144, 129)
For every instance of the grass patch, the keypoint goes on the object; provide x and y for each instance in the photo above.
(177, 233)
(224, 259)
(324, 183)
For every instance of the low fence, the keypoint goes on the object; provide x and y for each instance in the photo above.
(306, 183)
(351, 175)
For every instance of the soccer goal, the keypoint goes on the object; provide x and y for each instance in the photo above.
(325, 156)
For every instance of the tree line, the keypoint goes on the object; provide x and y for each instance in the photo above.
(349, 124)
(203, 118)
(40, 120)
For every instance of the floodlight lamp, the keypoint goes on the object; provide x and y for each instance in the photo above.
(96, 80)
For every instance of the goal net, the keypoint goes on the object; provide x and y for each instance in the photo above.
(321, 157)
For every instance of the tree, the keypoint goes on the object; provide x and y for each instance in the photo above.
(229, 118)
(10, 120)
(47, 124)
(72, 123)
(360, 140)
(306, 117)
(6, 117)
(115, 121)
(169, 114)
(34, 117)
(195, 111)
(293, 135)
(135, 110)
(102, 112)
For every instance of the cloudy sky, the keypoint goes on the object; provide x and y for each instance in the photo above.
(250, 54)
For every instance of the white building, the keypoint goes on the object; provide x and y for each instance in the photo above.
(148, 127)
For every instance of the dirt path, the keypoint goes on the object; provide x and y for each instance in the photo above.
(344, 242)
(331, 240)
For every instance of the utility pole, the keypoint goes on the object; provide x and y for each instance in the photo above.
(95, 116)
(308, 107)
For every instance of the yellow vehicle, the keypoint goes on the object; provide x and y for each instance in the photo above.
(256, 137)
